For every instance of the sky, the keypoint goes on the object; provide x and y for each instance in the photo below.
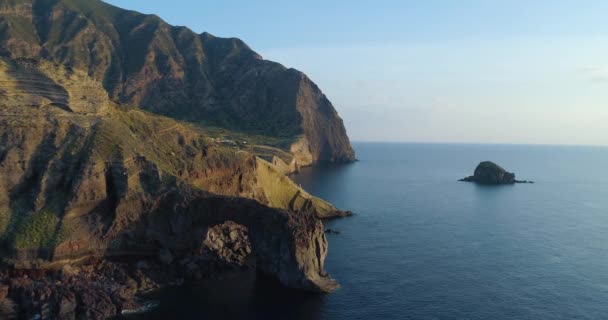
(468, 71)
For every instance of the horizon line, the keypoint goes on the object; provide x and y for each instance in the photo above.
(485, 143)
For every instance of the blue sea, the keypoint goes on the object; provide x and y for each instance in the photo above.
(424, 246)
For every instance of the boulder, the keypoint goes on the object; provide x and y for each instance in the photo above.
(229, 242)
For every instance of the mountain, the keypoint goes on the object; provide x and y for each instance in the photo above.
(81, 176)
(205, 80)
(122, 138)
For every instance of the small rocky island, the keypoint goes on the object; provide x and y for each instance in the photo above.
(490, 173)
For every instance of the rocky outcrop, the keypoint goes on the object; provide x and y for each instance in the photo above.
(92, 292)
(229, 241)
(103, 289)
(196, 234)
(490, 173)
(144, 62)
(291, 247)
(100, 180)
(96, 291)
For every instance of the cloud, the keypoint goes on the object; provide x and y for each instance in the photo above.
(595, 74)
(599, 79)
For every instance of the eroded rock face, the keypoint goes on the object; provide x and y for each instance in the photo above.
(228, 241)
(100, 181)
(490, 173)
(290, 246)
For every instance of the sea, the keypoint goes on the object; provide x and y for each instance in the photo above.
(423, 245)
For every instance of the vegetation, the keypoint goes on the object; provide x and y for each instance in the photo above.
(263, 146)
(37, 231)
(95, 8)
(21, 27)
(281, 192)
(252, 139)
(277, 127)
(167, 141)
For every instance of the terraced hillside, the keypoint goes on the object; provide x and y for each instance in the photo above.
(205, 80)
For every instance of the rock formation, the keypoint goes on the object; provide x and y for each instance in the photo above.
(104, 155)
(490, 173)
(229, 242)
(83, 178)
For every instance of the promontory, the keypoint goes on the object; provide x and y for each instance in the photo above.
(134, 154)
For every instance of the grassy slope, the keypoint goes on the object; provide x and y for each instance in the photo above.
(283, 193)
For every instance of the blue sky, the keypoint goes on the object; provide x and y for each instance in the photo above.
(432, 71)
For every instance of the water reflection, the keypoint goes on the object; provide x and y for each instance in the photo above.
(243, 296)
(325, 180)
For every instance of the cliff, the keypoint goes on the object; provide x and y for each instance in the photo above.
(82, 177)
(113, 144)
(205, 80)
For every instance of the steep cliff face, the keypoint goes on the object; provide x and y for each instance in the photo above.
(81, 176)
(172, 71)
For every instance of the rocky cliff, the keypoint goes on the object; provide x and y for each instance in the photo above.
(83, 177)
(172, 71)
(106, 153)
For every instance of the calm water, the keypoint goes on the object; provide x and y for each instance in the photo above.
(424, 246)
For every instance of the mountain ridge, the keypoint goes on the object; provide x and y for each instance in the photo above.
(172, 71)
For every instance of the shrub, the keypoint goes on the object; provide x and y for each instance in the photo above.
(37, 231)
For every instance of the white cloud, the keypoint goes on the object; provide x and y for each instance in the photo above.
(597, 74)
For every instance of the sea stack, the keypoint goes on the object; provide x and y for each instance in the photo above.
(490, 173)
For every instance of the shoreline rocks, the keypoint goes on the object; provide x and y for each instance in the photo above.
(92, 292)
(204, 236)
(102, 290)
(489, 173)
